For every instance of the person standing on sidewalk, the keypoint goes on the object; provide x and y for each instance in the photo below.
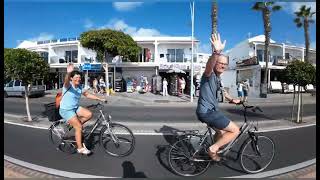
(95, 85)
(70, 110)
(207, 108)
(240, 90)
(183, 85)
(245, 90)
(164, 87)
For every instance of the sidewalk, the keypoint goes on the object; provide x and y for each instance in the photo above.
(184, 100)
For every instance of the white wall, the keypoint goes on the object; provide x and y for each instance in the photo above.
(253, 74)
(294, 53)
(162, 49)
(239, 52)
(82, 51)
(228, 79)
(60, 51)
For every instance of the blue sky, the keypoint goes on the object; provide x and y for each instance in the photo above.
(48, 19)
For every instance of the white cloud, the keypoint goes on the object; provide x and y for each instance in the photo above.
(291, 7)
(43, 36)
(126, 6)
(88, 23)
(204, 48)
(120, 25)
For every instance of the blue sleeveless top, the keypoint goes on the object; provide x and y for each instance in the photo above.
(209, 89)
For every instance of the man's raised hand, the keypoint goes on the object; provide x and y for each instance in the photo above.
(216, 42)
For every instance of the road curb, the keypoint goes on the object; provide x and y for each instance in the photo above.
(50, 170)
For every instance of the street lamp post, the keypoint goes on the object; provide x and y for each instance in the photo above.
(192, 28)
(105, 67)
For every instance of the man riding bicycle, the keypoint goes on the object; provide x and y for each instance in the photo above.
(207, 109)
(70, 110)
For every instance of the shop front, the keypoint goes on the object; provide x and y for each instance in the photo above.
(178, 77)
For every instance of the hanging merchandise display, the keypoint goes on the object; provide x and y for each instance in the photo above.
(154, 84)
(129, 84)
(197, 85)
(143, 84)
(173, 85)
(158, 84)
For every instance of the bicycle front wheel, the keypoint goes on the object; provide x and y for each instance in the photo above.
(257, 155)
(184, 161)
(117, 140)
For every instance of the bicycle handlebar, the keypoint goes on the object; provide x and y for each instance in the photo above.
(99, 104)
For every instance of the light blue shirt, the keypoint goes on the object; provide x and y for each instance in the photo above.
(71, 98)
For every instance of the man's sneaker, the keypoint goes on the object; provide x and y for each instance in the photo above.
(84, 150)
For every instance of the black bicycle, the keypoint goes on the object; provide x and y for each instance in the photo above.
(115, 139)
(189, 156)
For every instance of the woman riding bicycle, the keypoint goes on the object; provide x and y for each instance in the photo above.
(70, 110)
(207, 109)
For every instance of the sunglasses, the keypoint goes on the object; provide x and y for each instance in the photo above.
(226, 64)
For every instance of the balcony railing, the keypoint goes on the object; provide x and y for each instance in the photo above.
(58, 40)
(181, 58)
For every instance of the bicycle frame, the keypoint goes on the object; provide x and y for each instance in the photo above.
(98, 122)
(101, 118)
(245, 128)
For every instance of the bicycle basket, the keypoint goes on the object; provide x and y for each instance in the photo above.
(52, 112)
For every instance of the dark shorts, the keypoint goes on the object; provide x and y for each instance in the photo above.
(240, 93)
(214, 119)
(245, 93)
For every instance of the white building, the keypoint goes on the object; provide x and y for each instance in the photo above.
(157, 56)
(246, 59)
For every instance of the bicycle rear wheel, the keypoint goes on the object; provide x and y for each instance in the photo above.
(257, 155)
(182, 158)
(118, 140)
(57, 132)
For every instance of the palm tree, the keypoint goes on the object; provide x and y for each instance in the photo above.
(304, 17)
(214, 14)
(266, 8)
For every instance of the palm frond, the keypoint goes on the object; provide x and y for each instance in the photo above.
(297, 20)
(302, 8)
(276, 8)
(258, 6)
(308, 10)
(311, 14)
(270, 3)
(298, 13)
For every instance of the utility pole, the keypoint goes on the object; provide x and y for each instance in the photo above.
(192, 29)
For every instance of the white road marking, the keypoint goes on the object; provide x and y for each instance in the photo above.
(147, 132)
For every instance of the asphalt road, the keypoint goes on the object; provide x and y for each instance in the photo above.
(149, 158)
(163, 114)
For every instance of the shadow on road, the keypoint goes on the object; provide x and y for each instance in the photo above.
(129, 171)
(171, 135)
(250, 114)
